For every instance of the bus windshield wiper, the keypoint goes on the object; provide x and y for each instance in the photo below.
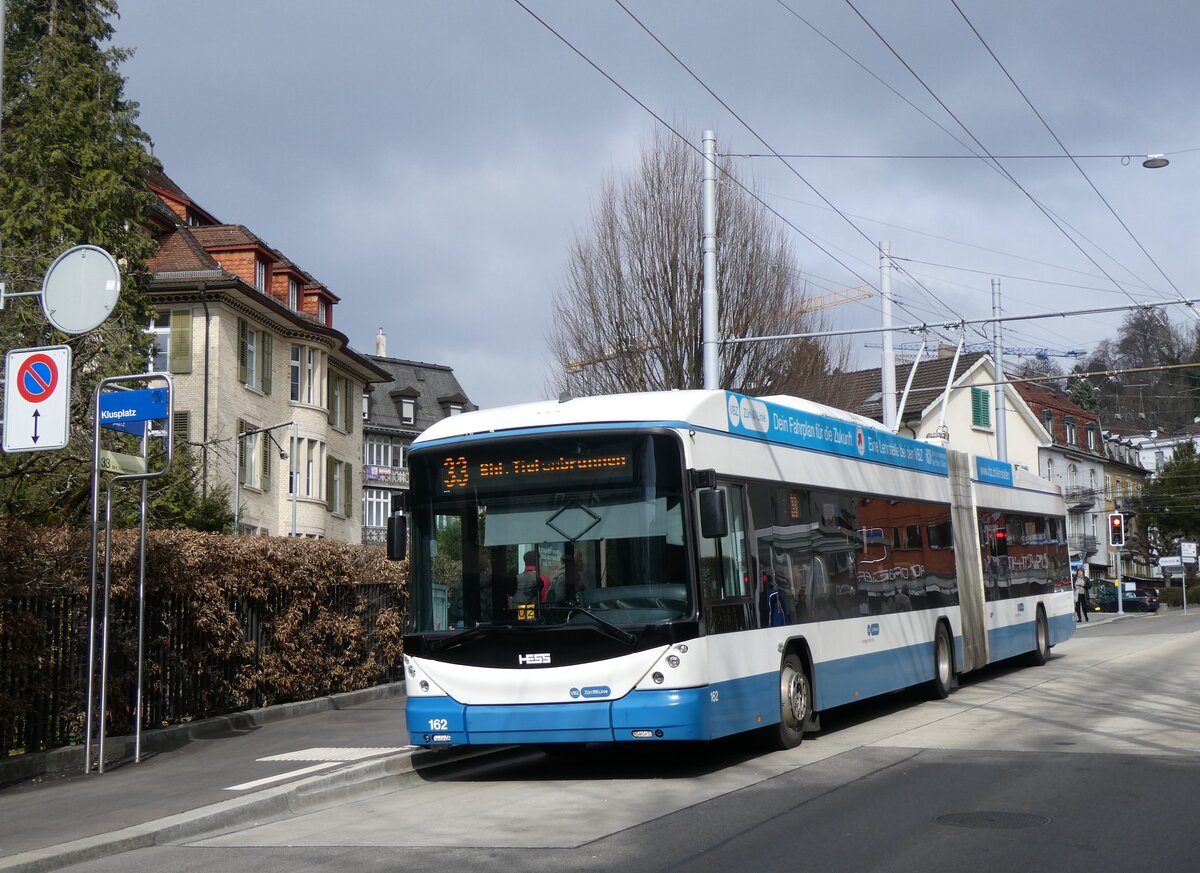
(602, 624)
(469, 634)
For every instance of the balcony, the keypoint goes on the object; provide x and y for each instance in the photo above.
(394, 476)
(1079, 498)
(1082, 543)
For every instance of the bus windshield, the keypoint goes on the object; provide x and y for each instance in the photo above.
(549, 531)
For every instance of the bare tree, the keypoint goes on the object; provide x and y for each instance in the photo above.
(628, 310)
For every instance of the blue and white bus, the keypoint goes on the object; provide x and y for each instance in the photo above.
(692, 564)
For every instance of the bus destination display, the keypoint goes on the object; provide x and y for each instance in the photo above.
(500, 472)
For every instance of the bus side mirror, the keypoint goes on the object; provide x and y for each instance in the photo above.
(397, 536)
(714, 523)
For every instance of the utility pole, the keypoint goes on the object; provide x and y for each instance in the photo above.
(998, 354)
(888, 364)
(708, 299)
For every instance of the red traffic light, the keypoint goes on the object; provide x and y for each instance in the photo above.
(1116, 529)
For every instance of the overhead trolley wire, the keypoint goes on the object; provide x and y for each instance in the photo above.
(992, 157)
(762, 140)
(1055, 136)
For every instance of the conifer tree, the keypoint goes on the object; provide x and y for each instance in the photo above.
(73, 164)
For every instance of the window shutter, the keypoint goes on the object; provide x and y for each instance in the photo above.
(180, 352)
(347, 489)
(266, 363)
(181, 424)
(980, 411)
(241, 451)
(329, 493)
(242, 340)
(348, 402)
(267, 446)
(329, 410)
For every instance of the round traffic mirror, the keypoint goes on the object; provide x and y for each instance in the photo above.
(80, 289)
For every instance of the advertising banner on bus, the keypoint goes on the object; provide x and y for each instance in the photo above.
(760, 418)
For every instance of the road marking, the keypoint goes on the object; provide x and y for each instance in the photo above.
(336, 753)
(245, 786)
(327, 756)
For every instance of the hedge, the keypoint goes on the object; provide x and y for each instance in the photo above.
(230, 622)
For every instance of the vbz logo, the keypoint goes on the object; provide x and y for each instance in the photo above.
(873, 629)
(537, 658)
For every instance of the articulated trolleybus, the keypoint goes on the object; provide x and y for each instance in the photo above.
(692, 564)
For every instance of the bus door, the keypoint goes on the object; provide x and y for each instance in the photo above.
(725, 574)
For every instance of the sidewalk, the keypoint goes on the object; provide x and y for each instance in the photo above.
(209, 775)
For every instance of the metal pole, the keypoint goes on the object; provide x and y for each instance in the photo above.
(141, 616)
(104, 625)
(91, 640)
(237, 479)
(1120, 584)
(295, 485)
(998, 354)
(1182, 577)
(708, 300)
(888, 363)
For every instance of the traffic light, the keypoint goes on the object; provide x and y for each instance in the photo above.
(1116, 529)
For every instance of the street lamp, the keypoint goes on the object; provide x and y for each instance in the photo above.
(237, 464)
(1155, 162)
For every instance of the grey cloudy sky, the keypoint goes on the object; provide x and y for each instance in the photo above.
(431, 161)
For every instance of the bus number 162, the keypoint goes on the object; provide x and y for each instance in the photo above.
(438, 724)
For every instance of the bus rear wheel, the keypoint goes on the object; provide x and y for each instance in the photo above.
(795, 704)
(1041, 650)
(943, 664)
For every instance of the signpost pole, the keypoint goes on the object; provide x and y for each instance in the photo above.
(1186, 550)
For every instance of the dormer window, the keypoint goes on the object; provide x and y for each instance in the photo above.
(322, 312)
(293, 294)
(408, 410)
(260, 275)
(1071, 431)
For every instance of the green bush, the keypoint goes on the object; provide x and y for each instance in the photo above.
(1174, 596)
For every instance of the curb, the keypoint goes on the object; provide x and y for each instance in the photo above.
(20, 768)
(263, 807)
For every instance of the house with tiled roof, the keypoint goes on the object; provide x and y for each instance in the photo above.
(1074, 460)
(965, 414)
(394, 414)
(267, 391)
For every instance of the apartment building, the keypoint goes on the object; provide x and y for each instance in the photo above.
(267, 391)
(393, 415)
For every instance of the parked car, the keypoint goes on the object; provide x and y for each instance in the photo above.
(1151, 595)
(1104, 599)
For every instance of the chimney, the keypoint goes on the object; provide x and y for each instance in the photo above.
(381, 344)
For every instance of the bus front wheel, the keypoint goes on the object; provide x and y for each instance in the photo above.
(795, 704)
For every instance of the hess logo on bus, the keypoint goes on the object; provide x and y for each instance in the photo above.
(535, 658)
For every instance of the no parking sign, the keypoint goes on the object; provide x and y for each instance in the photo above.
(37, 399)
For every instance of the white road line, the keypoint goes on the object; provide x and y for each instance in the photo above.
(281, 776)
(336, 753)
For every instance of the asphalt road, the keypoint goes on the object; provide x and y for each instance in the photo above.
(1089, 763)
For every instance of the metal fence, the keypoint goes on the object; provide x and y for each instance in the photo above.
(187, 674)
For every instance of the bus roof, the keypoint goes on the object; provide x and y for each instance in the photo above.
(700, 408)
